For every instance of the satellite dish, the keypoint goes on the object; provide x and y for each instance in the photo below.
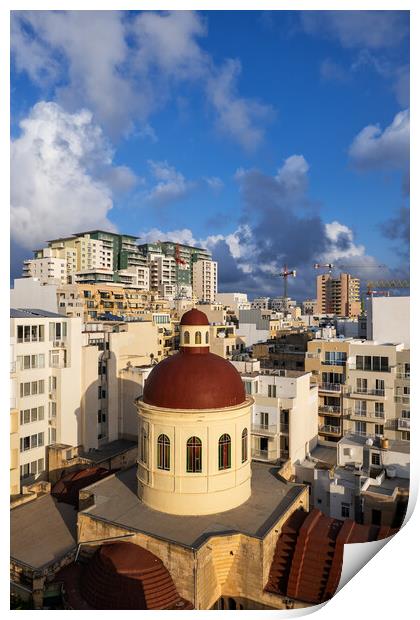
(369, 442)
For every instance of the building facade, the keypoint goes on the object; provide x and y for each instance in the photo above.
(338, 295)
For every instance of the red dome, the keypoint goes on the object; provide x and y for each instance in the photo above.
(122, 575)
(194, 381)
(194, 317)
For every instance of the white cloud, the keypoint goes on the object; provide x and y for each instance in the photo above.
(374, 29)
(125, 70)
(292, 176)
(373, 148)
(214, 183)
(183, 235)
(171, 185)
(340, 239)
(237, 117)
(54, 186)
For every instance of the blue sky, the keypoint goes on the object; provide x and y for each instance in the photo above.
(269, 137)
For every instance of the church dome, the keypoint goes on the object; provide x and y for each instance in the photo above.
(194, 381)
(122, 575)
(194, 378)
(194, 317)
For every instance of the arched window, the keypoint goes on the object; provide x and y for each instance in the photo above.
(207, 337)
(244, 445)
(194, 450)
(163, 452)
(143, 445)
(186, 337)
(224, 452)
(197, 337)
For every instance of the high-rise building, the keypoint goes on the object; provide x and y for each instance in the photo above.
(45, 385)
(338, 295)
(205, 280)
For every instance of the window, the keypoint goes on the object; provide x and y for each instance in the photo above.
(345, 510)
(24, 470)
(20, 333)
(194, 453)
(186, 337)
(25, 444)
(207, 337)
(244, 445)
(163, 455)
(197, 337)
(405, 435)
(272, 391)
(379, 429)
(224, 452)
(361, 428)
(375, 458)
(143, 446)
(379, 410)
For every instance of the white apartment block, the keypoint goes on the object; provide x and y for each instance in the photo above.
(204, 278)
(234, 301)
(45, 385)
(284, 413)
(47, 268)
(163, 275)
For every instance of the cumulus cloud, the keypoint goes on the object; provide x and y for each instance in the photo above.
(236, 116)
(125, 69)
(374, 148)
(183, 235)
(55, 184)
(397, 229)
(171, 185)
(372, 29)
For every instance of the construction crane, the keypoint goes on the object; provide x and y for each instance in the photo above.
(285, 275)
(328, 266)
(387, 284)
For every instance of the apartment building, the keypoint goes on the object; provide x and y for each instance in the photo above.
(234, 301)
(163, 275)
(48, 265)
(287, 350)
(327, 360)
(371, 395)
(204, 280)
(262, 303)
(338, 295)
(284, 413)
(110, 353)
(45, 386)
(363, 388)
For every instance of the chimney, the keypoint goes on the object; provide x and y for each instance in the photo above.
(384, 443)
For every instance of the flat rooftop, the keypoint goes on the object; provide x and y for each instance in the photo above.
(116, 502)
(109, 450)
(42, 531)
(33, 313)
(394, 445)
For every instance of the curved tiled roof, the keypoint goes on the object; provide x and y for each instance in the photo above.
(122, 575)
(308, 558)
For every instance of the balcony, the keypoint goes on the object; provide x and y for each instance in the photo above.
(403, 424)
(366, 415)
(403, 400)
(329, 387)
(264, 429)
(333, 362)
(362, 392)
(329, 410)
(403, 375)
(326, 429)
